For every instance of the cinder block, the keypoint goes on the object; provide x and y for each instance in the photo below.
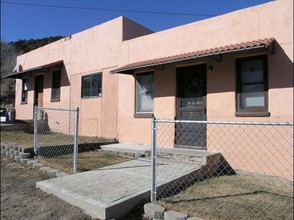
(11, 155)
(17, 158)
(173, 215)
(45, 169)
(60, 174)
(31, 162)
(15, 148)
(153, 210)
(38, 165)
(24, 155)
(195, 218)
(53, 171)
(23, 160)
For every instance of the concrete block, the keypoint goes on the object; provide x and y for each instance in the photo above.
(7, 153)
(23, 160)
(15, 148)
(173, 215)
(17, 158)
(45, 169)
(52, 171)
(153, 210)
(11, 155)
(31, 162)
(24, 155)
(195, 218)
(60, 174)
(38, 165)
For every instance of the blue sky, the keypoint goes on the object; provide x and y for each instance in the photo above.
(20, 21)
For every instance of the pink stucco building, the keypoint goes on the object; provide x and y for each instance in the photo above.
(120, 73)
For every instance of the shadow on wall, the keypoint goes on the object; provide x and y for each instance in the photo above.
(223, 77)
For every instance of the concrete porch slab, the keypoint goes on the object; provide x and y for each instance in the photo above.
(127, 148)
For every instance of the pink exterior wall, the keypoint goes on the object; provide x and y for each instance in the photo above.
(241, 26)
(90, 51)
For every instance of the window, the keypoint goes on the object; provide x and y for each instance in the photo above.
(144, 95)
(92, 85)
(252, 86)
(55, 91)
(24, 93)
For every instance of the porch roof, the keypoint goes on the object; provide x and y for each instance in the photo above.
(43, 68)
(266, 43)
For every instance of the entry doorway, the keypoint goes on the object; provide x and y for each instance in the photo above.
(191, 105)
(39, 84)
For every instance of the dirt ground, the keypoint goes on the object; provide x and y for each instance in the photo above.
(21, 200)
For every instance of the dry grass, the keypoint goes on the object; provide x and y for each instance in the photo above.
(235, 197)
(86, 161)
(26, 139)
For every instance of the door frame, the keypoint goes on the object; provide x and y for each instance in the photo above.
(37, 89)
(178, 105)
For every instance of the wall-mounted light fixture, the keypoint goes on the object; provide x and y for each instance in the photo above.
(210, 69)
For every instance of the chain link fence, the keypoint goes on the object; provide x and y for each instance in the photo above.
(56, 137)
(223, 170)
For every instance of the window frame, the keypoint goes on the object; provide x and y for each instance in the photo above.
(56, 74)
(143, 114)
(261, 111)
(99, 74)
(24, 93)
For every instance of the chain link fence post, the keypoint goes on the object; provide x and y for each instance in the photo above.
(153, 161)
(76, 147)
(35, 129)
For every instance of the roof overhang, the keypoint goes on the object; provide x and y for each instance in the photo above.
(267, 44)
(38, 69)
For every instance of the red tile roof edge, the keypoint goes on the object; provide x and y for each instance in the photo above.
(267, 42)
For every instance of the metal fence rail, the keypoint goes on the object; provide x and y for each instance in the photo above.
(56, 137)
(223, 170)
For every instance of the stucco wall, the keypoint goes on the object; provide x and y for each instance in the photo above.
(101, 49)
(241, 26)
(90, 51)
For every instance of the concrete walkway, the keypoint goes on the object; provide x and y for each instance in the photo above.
(113, 191)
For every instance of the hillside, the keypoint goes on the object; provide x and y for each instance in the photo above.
(9, 52)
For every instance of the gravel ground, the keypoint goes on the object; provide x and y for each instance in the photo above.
(21, 200)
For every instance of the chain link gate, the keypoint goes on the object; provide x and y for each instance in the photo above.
(244, 172)
(56, 137)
